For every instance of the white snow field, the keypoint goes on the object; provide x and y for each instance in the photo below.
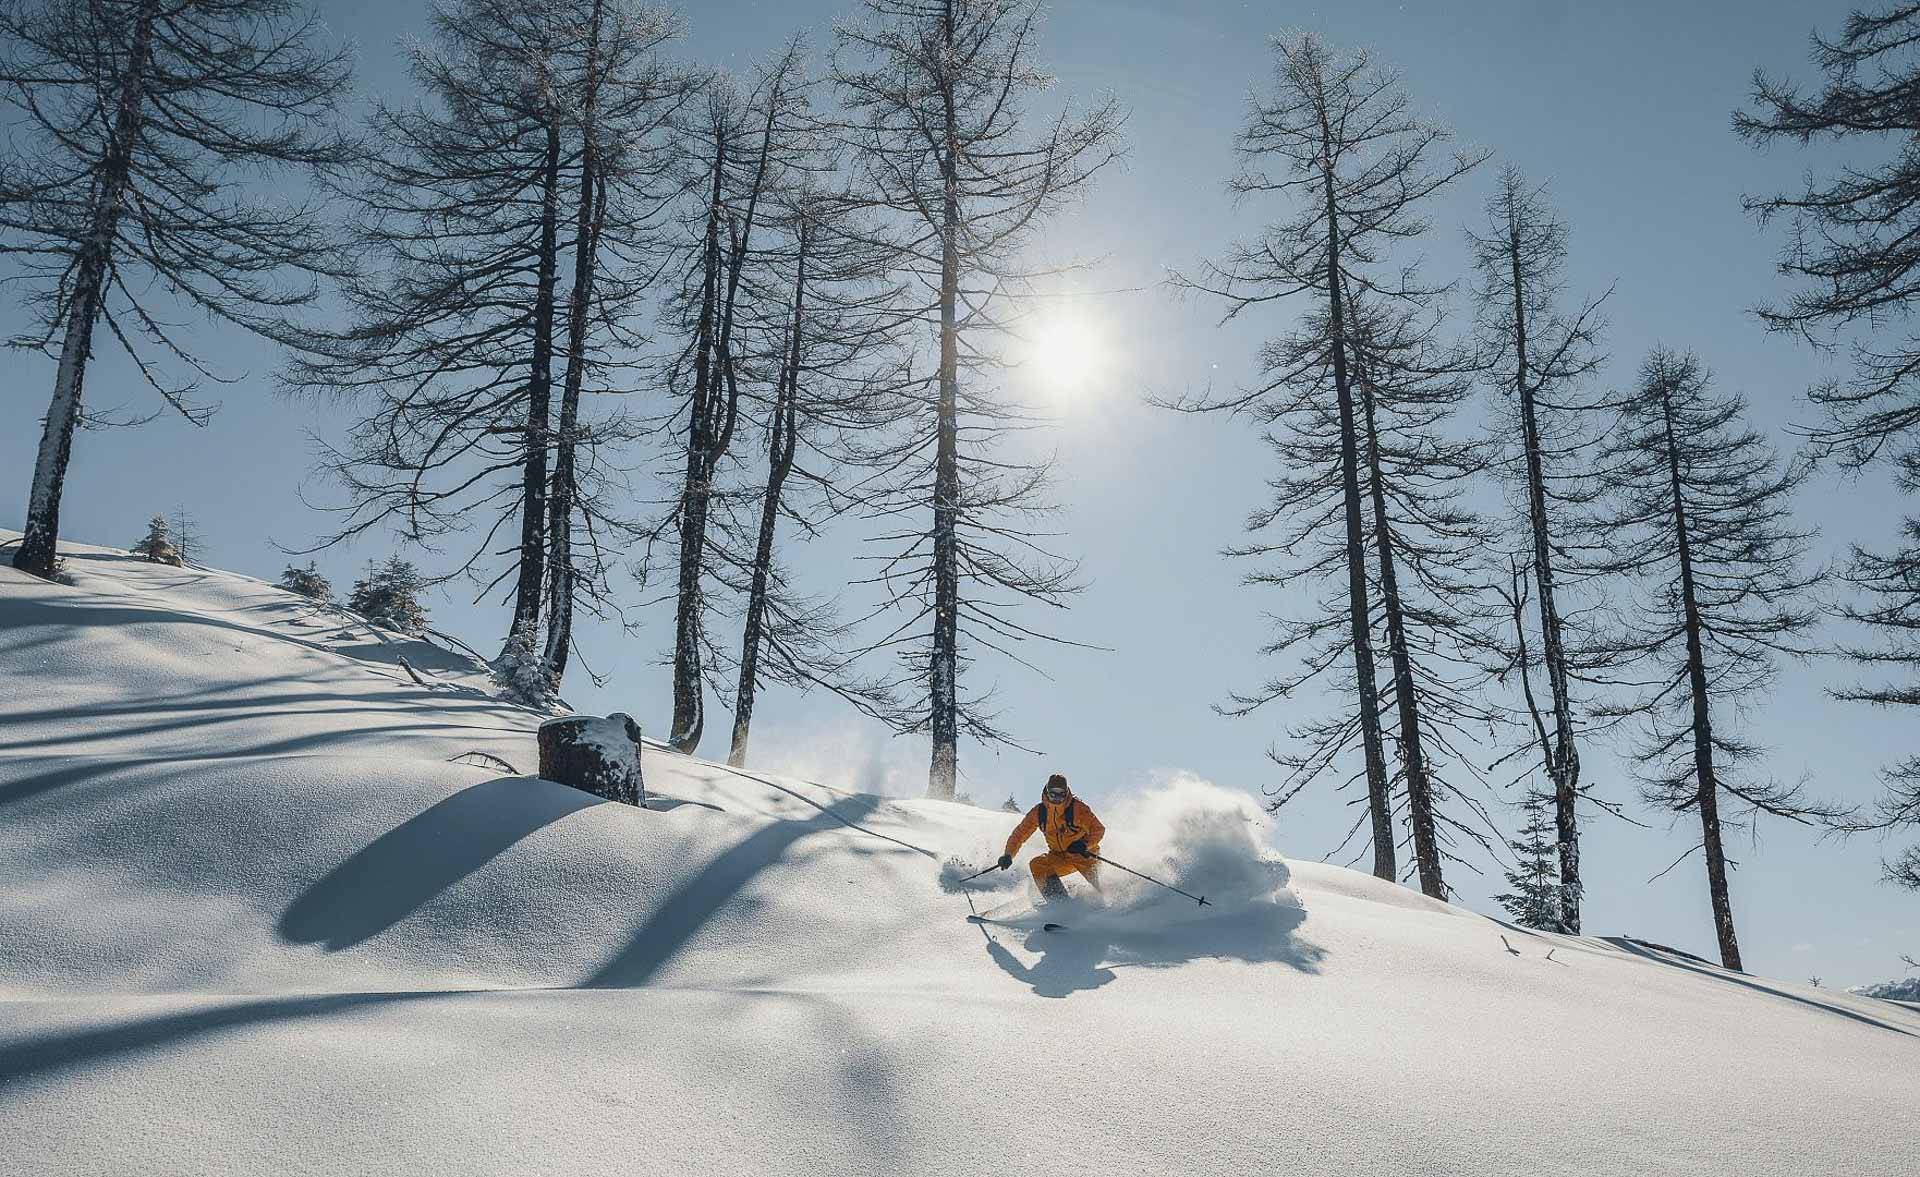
(255, 920)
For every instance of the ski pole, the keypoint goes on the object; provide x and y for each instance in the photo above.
(976, 874)
(1156, 882)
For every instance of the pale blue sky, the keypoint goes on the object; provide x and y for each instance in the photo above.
(1624, 107)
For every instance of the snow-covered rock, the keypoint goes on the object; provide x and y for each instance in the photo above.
(600, 754)
(1905, 989)
(260, 913)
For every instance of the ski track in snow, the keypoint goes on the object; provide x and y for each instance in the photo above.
(255, 916)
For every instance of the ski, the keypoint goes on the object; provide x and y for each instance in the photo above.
(1047, 927)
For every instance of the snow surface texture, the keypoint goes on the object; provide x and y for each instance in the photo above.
(257, 914)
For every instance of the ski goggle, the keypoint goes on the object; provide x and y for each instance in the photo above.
(1055, 793)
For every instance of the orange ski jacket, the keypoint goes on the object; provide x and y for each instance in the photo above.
(1062, 825)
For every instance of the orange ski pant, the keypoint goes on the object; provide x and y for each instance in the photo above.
(1059, 864)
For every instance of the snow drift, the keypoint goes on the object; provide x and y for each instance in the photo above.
(261, 911)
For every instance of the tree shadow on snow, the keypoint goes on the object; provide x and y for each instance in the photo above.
(52, 623)
(401, 870)
(68, 1049)
(1085, 955)
(1745, 982)
(681, 916)
(862, 1076)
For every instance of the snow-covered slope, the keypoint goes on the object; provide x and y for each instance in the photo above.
(258, 915)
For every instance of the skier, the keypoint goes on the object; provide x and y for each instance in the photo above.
(1073, 836)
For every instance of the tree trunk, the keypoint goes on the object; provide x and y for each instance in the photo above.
(1708, 796)
(689, 718)
(780, 462)
(780, 450)
(39, 545)
(588, 216)
(1379, 801)
(717, 397)
(943, 667)
(600, 756)
(1426, 842)
(1563, 762)
(688, 712)
(533, 507)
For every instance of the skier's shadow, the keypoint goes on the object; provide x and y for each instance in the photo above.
(1069, 961)
(1085, 955)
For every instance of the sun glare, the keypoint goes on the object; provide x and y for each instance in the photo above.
(1066, 354)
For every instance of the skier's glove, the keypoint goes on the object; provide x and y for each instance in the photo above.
(1080, 847)
(1006, 860)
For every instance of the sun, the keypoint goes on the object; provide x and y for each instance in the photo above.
(1066, 353)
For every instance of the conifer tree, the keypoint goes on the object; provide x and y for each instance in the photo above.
(157, 545)
(307, 582)
(1533, 898)
(521, 671)
(389, 595)
(1426, 548)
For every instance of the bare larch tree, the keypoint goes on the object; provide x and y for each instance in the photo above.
(935, 96)
(739, 150)
(836, 359)
(1853, 247)
(133, 181)
(1539, 356)
(1698, 508)
(626, 98)
(455, 310)
(1336, 136)
(1428, 552)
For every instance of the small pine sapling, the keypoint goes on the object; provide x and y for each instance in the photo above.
(388, 595)
(1534, 898)
(157, 545)
(307, 582)
(522, 672)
